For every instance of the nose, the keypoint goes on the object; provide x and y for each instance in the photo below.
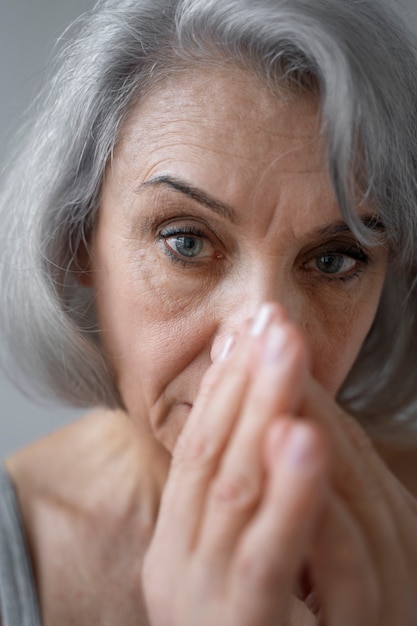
(239, 308)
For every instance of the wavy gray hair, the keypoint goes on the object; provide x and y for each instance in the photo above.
(353, 54)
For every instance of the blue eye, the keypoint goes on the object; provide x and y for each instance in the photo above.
(346, 262)
(185, 245)
(334, 263)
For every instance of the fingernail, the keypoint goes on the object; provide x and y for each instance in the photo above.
(225, 351)
(261, 320)
(275, 344)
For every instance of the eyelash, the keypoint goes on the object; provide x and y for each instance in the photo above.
(352, 251)
(166, 233)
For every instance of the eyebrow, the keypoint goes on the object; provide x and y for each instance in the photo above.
(370, 221)
(181, 186)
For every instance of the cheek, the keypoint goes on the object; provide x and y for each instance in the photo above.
(152, 331)
(336, 339)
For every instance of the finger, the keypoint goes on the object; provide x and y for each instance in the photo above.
(356, 456)
(273, 547)
(274, 389)
(358, 476)
(246, 338)
(201, 444)
(365, 485)
(342, 568)
(299, 614)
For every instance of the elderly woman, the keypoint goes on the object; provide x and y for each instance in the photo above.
(211, 238)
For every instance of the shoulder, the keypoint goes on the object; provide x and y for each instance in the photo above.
(81, 465)
(89, 496)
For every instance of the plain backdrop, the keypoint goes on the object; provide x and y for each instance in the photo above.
(28, 30)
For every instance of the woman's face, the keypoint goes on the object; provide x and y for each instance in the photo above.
(218, 199)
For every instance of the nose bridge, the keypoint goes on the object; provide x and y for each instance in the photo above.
(243, 298)
(262, 283)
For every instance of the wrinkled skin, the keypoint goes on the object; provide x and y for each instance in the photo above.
(251, 506)
(217, 200)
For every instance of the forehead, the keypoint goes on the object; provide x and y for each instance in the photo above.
(224, 131)
(225, 112)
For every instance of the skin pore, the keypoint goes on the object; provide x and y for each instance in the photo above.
(218, 199)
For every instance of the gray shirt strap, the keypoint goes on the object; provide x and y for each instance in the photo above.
(18, 597)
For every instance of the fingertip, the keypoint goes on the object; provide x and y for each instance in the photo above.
(227, 348)
(303, 446)
(298, 443)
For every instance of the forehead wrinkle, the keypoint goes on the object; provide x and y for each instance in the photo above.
(170, 117)
(204, 149)
(153, 131)
(297, 213)
(295, 155)
(196, 150)
(174, 138)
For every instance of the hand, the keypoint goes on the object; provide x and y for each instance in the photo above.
(380, 568)
(243, 494)
(245, 514)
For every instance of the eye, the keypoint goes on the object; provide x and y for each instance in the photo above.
(334, 263)
(188, 244)
(185, 245)
(341, 264)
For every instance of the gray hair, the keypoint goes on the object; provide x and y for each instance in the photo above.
(353, 54)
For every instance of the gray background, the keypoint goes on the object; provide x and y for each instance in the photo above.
(28, 30)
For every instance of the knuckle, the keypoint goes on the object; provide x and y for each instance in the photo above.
(259, 575)
(239, 492)
(194, 451)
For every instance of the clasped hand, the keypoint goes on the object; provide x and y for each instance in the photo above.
(277, 510)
